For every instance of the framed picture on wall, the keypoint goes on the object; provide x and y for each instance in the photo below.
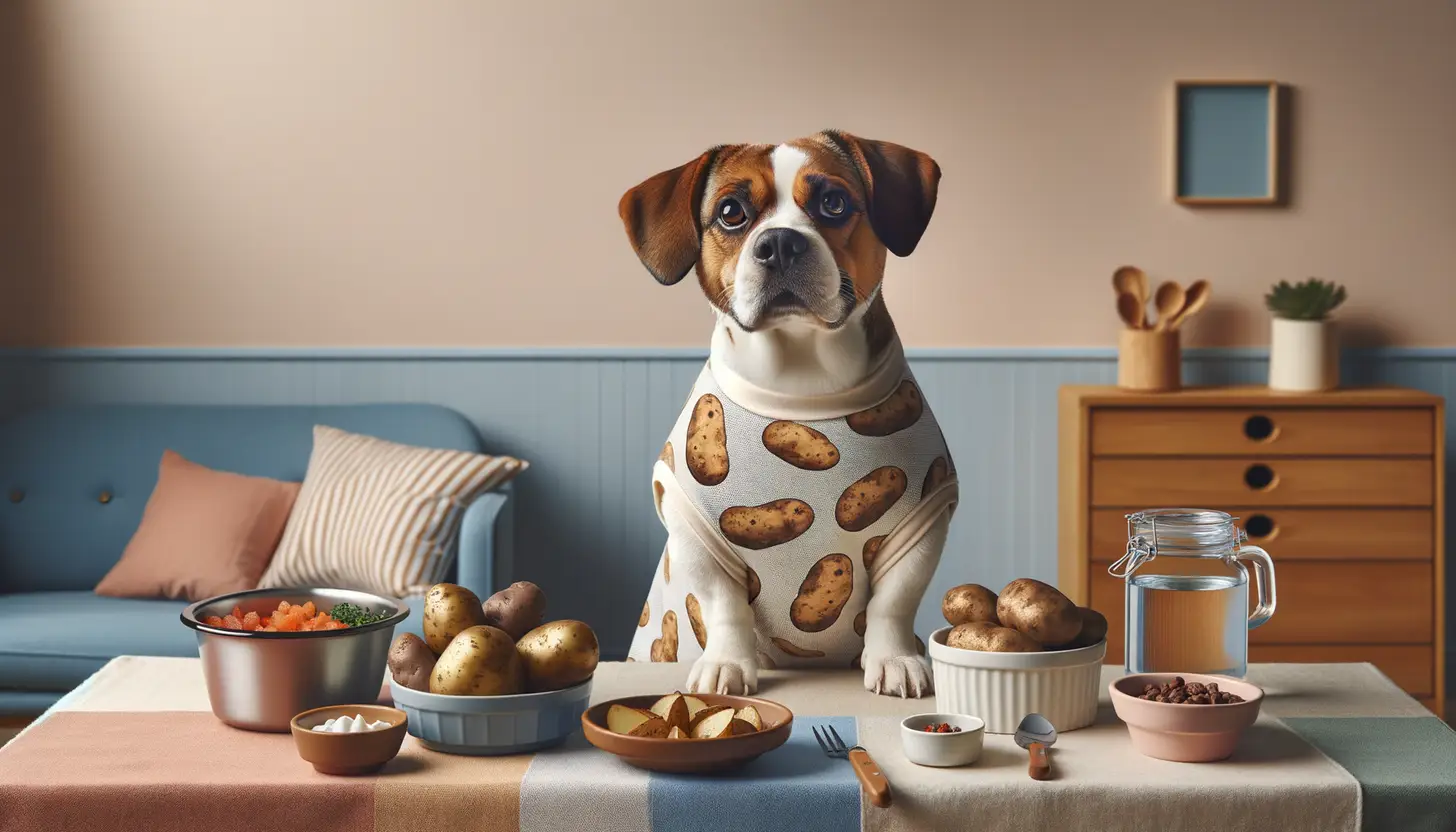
(1227, 143)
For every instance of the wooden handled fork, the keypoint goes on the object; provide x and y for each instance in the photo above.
(876, 787)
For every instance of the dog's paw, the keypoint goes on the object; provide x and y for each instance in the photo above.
(724, 676)
(902, 676)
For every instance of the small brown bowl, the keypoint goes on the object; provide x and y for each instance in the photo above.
(1185, 733)
(363, 753)
(690, 756)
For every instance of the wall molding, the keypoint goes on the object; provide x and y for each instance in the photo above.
(647, 353)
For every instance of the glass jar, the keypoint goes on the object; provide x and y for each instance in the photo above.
(1187, 598)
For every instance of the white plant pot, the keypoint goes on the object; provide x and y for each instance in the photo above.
(1303, 356)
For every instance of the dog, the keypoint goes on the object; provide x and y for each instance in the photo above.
(806, 488)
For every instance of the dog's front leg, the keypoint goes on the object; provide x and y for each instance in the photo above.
(892, 665)
(729, 664)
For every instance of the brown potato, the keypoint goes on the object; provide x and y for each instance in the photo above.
(872, 551)
(411, 662)
(665, 649)
(1094, 629)
(517, 609)
(646, 615)
(666, 456)
(901, 410)
(823, 593)
(969, 602)
(989, 638)
(1039, 610)
(707, 444)
(939, 472)
(753, 585)
(479, 661)
(859, 623)
(558, 654)
(795, 650)
(695, 619)
(449, 610)
(800, 445)
(773, 523)
(869, 498)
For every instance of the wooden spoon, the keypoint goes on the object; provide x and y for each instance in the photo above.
(1130, 279)
(1194, 299)
(1130, 310)
(1169, 302)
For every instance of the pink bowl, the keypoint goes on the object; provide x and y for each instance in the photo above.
(1184, 733)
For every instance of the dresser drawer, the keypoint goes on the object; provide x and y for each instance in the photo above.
(1221, 431)
(1389, 602)
(1155, 483)
(1302, 533)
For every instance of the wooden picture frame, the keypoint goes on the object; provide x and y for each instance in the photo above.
(1228, 139)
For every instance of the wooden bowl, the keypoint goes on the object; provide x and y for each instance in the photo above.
(689, 756)
(348, 754)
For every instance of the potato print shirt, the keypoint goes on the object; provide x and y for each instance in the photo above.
(805, 503)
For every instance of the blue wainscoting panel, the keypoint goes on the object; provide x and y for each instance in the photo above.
(592, 422)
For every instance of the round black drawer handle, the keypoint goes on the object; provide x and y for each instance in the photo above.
(1259, 476)
(1259, 428)
(1259, 526)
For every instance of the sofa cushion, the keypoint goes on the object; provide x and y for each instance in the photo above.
(74, 479)
(204, 533)
(52, 641)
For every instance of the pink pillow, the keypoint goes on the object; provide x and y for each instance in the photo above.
(203, 533)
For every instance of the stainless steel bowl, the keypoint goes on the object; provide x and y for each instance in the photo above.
(260, 681)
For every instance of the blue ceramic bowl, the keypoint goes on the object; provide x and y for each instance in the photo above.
(491, 725)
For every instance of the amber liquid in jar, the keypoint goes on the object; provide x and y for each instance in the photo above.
(1187, 623)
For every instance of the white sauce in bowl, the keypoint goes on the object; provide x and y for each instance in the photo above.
(349, 725)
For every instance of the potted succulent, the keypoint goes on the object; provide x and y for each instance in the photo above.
(1302, 352)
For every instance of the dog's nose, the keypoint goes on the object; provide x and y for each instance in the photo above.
(778, 248)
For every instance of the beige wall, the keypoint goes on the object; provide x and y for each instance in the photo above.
(341, 172)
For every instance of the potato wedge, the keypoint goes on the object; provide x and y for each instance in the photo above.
(715, 725)
(635, 722)
(749, 714)
(710, 710)
(674, 709)
(676, 733)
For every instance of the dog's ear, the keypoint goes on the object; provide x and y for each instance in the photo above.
(901, 185)
(661, 218)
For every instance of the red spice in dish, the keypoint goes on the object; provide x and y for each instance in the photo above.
(942, 728)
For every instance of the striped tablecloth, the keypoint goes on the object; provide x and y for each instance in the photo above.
(1338, 747)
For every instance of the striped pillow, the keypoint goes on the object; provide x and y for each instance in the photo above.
(380, 516)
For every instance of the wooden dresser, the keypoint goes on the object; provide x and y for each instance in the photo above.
(1344, 489)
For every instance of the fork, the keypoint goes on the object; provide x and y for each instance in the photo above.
(868, 771)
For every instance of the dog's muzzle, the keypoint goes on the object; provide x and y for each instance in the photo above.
(793, 282)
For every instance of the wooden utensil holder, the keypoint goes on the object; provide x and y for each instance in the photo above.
(1149, 360)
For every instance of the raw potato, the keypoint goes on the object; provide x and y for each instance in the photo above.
(450, 609)
(558, 654)
(1039, 610)
(869, 498)
(517, 609)
(989, 638)
(939, 472)
(480, 661)
(896, 413)
(871, 551)
(823, 594)
(800, 445)
(411, 662)
(969, 602)
(753, 585)
(759, 527)
(646, 615)
(1094, 629)
(695, 618)
(674, 709)
(635, 722)
(795, 650)
(665, 649)
(666, 456)
(707, 447)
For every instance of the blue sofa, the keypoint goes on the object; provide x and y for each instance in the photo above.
(74, 481)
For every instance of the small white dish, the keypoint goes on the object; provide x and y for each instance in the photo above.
(957, 748)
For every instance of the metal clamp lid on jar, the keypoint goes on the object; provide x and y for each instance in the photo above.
(1179, 532)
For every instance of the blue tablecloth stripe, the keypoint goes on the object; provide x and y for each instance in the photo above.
(794, 788)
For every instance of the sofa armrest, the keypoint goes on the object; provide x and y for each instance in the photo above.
(485, 561)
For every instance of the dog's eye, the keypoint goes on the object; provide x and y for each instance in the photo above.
(731, 214)
(833, 204)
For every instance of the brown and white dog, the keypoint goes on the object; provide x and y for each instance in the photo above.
(789, 245)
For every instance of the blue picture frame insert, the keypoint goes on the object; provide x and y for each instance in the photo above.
(1227, 143)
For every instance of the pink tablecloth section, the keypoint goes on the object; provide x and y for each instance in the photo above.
(137, 748)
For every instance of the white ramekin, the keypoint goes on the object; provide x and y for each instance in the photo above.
(1001, 688)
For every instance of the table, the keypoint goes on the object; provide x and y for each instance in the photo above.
(1337, 747)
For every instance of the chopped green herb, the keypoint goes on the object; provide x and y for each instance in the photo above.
(355, 616)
